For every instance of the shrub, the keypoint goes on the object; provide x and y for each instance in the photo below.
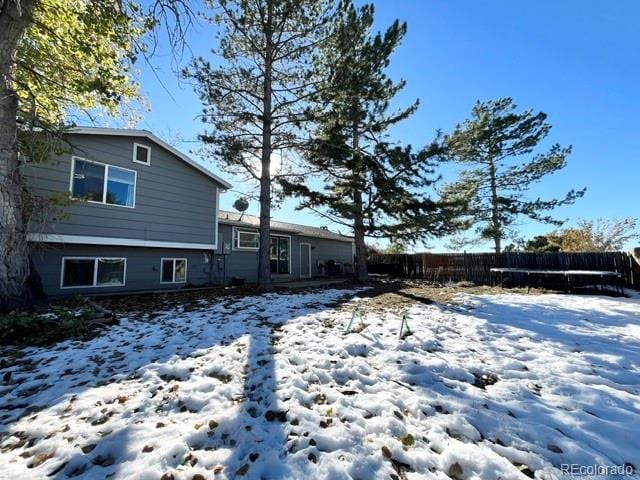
(33, 328)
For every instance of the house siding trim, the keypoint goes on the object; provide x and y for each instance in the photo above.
(115, 132)
(216, 230)
(114, 241)
(142, 268)
(292, 231)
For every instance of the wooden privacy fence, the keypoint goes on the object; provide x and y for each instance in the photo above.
(476, 267)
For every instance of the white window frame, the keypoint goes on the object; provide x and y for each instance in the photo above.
(95, 272)
(290, 252)
(147, 148)
(174, 259)
(106, 180)
(236, 243)
(115, 241)
(216, 220)
(236, 239)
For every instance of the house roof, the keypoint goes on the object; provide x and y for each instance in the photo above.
(251, 221)
(128, 132)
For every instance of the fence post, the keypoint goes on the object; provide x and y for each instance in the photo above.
(466, 268)
(476, 266)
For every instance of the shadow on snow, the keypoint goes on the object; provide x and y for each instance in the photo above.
(145, 357)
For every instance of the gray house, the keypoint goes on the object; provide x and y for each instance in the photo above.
(297, 251)
(146, 217)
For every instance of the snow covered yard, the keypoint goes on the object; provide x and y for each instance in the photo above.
(498, 387)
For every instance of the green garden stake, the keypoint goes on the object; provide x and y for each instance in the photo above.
(355, 312)
(404, 324)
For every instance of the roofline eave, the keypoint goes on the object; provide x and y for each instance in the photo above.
(155, 139)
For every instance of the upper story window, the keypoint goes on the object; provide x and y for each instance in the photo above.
(102, 183)
(141, 154)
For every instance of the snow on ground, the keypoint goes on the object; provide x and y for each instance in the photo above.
(503, 387)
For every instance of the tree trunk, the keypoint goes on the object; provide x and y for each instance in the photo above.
(264, 261)
(14, 252)
(496, 229)
(361, 247)
(358, 217)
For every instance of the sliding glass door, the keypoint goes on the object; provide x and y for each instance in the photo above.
(280, 253)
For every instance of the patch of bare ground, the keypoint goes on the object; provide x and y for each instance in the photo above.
(398, 294)
(381, 295)
(149, 304)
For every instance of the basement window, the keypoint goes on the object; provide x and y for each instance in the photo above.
(173, 270)
(93, 272)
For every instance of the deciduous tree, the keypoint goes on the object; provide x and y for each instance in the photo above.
(14, 262)
(58, 57)
(601, 235)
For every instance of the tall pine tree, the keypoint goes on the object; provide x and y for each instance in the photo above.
(256, 99)
(368, 184)
(493, 143)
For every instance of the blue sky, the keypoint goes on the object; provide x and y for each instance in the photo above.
(577, 61)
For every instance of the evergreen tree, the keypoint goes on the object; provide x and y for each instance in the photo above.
(368, 184)
(493, 142)
(541, 244)
(257, 100)
(396, 247)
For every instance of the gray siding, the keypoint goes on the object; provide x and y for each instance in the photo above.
(323, 250)
(142, 270)
(244, 264)
(174, 202)
(143, 264)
